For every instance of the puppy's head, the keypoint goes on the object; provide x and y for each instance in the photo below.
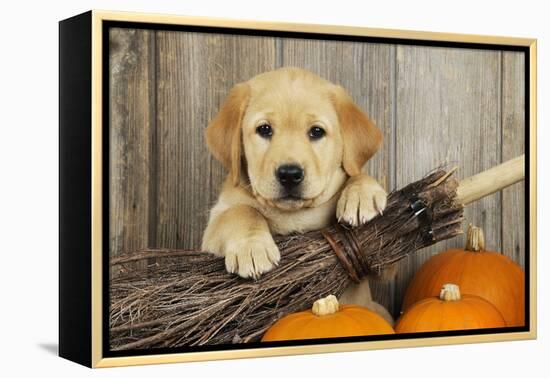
(292, 131)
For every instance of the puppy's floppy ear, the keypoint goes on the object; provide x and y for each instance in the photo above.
(223, 134)
(360, 135)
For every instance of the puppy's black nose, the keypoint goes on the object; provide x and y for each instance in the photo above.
(290, 175)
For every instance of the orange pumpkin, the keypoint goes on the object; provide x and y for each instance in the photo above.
(489, 275)
(450, 311)
(328, 319)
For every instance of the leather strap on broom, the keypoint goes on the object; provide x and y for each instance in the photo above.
(187, 298)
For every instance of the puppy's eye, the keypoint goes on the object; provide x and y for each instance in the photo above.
(264, 130)
(316, 132)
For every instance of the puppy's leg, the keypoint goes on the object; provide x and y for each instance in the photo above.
(360, 294)
(361, 200)
(241, 234)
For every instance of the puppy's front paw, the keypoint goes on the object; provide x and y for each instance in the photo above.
(251, 256)
(361, 200)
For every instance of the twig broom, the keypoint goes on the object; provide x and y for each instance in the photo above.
(189, 299)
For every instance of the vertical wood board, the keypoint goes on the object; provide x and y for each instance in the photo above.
(513, 143)
(447, 111)
(131, 118)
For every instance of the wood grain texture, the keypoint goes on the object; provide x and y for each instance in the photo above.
(131, 114)
(448, 111)
(194, 74)
(366, 71)
(513, 143)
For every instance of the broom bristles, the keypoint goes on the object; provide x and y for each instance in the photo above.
(187, 298)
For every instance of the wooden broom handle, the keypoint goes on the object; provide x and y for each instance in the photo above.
(475, 187)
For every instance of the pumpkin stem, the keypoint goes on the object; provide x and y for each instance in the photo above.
(450, 292)
(475, 239)
(325, 306)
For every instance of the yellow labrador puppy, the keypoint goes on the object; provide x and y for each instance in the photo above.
(294, 145)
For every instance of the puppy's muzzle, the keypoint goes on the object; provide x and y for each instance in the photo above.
(290, 176)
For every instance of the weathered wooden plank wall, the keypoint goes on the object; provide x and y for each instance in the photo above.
(434, 105)
(448, 110)
(513, 142)
(132, 127)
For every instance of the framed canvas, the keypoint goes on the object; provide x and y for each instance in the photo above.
(235, 188)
